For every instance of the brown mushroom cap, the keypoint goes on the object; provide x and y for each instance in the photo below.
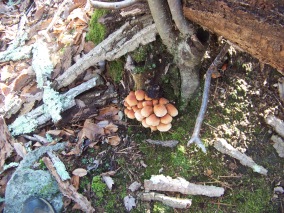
(144, 123)
(160, 110)
(163, 101)
(135, 108)
(140, 95)
(146, 111)
(172, 111)
(147, 103)
(130, 114)
(131, 100)
(153, 120)
(138, 115)
(139, 104)
(155, 101)
(147, 98)
(164, 127)
(166, 119)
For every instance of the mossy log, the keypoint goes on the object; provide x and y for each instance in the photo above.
(255, 26)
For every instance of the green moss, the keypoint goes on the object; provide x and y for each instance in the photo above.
(140, 54)
(115, 70)
(98, 187)
(97, 31)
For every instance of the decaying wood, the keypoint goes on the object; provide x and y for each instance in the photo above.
(276, 123)
(170, 143)
(169, 201)
(213, 68)
(222, 146)
(281, 88)
(68, 189)
(59, 166)
(38, 117)
(166, 183)
(255, 26)
(126, 39)
(6, 142)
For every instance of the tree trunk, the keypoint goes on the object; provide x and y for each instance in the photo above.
(256, 26)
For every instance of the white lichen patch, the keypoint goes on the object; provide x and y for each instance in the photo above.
(23, 125)
(41, 64)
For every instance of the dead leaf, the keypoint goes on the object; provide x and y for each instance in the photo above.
(27, 107)
(20, 149)
(109, 173)
(114, 140)
(80, 172)
(75, 181)
(134, 186)
(129, 202)
(37, 144)
(6, 142)
(88, 47)
(109, 181)
(110, 128)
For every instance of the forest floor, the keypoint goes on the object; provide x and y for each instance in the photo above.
(239, 100)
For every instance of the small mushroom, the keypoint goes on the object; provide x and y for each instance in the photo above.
(138, 115)
(147, 103)
(131, 100)
(152, 120)
(153, 128)
(155, 101)
(146, 111)
(147, 98)
(166, 119)
(172, 111)
(140, 95)
(163, 101)
(164, 127)
(139, 104)
(160, 110)
(144, 123)
(131, 114)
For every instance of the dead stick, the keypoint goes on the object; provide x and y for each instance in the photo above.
(213, 67)
(68, 189)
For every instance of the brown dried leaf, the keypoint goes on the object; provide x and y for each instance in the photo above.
(6, 142)
(114, 140)
(110, 128)
(75, 181)
(20, 149)
(27, 107)
(80, 172)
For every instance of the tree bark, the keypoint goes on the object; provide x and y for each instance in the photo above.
(255, 26)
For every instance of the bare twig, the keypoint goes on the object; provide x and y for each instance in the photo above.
(170, 143)
(113, 5)
(276, 123)
(213, 67)
(68, 189)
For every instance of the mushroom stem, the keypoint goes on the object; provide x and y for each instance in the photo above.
(213, 67)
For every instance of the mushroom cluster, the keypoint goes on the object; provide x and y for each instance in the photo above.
(156, 114)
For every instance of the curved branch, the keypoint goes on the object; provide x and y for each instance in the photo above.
(163, 22)
(177, 14)
(113, 5)
(195, 136)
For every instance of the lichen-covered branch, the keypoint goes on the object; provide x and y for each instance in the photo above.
(213, 67)
(169, 201)
(222, 146)
(126, 39)
(68, 189)
(113, 5)
(166, 183)
(37, 117)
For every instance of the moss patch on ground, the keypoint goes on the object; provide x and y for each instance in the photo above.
(115, 70)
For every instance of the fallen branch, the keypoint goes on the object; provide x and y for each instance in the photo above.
(213, 68)
(68, 189)
(126, 39)
(276, 123)
(37, 117)
(278, 145)
(222, 146)
(170, 143)
(169, 201)
(166, 183)
(113, 5)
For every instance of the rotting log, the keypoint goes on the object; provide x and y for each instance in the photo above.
(255, 26)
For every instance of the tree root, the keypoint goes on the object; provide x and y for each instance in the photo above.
(213, 68)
